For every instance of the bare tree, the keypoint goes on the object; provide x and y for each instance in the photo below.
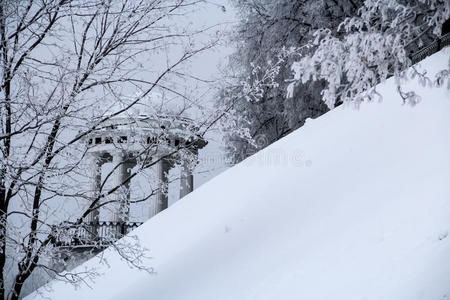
(64, 66)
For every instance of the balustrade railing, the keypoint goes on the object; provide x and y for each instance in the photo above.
(431, 48)
(91, 234)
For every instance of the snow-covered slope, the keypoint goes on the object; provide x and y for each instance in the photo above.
(354, 205)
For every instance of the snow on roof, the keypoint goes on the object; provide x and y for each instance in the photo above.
(154, 103)
(353, 205)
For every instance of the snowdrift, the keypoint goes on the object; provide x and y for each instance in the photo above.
(354, 205)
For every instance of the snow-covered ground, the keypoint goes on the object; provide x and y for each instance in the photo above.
(354, 205)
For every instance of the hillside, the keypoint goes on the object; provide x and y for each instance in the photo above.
(354, 205)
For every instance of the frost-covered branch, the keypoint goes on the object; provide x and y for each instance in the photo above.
(373, 45)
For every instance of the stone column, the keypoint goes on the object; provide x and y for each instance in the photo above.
(186, 180)
(160, 202)
(95, 169)
(95, 164)
(122, 170)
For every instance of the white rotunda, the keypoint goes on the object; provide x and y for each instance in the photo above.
(157, 140)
